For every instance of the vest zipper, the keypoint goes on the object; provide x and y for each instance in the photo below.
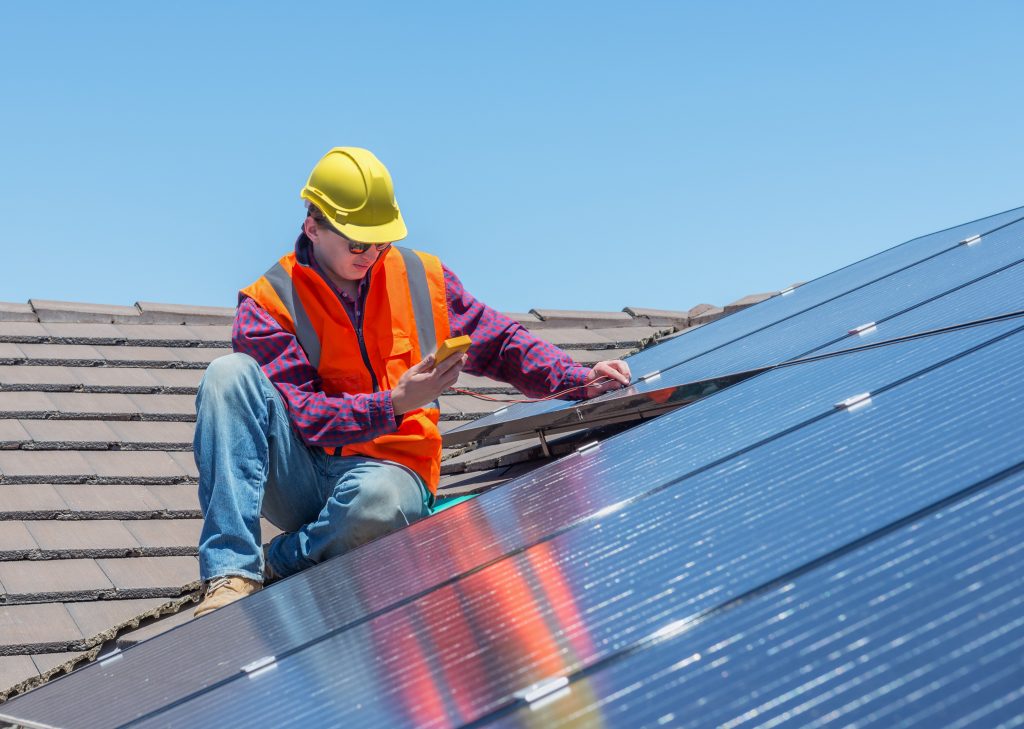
(362, 342)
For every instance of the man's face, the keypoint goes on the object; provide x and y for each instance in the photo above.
(333, 254)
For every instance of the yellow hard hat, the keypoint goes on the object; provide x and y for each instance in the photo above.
(353, 189)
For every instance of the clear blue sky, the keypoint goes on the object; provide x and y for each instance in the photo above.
(589, 155)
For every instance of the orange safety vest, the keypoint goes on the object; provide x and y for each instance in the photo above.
(405, 315)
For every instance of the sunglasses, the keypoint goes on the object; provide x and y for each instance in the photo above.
(359, 248)
(354, 248)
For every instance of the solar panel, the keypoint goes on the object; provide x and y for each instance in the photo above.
(813, 327)
(353, 594)
(923, 627)
(743, 323)
(699, 542)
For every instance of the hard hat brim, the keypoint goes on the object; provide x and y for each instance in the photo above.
(389, 232)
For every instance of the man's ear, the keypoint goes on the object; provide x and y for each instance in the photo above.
(310, 228)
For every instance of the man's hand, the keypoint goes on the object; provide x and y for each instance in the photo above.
(615, 369)
(423, 383)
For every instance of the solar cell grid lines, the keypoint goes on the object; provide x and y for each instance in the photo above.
(758, 420)
(731, 539)
(882, 636)
(817, 314)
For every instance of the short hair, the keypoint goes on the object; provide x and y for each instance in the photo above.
(312, 211)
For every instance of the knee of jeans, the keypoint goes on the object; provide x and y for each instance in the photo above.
(376, 511)
(227, 374)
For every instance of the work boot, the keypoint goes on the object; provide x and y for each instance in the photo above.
(221, 591)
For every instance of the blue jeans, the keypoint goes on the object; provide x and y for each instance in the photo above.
(251, 461)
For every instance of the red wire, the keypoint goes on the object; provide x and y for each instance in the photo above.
(598, 381)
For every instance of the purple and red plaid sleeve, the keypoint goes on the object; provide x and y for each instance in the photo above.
(505, 350)
(502, 349)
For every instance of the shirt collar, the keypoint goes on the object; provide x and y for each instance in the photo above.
(304, 257)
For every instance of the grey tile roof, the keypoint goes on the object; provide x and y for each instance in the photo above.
(99, 515)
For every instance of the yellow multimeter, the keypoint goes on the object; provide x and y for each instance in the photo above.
(455, 345)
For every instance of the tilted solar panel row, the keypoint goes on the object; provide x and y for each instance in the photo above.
(819, 313)
(345, 602)
(698, 542)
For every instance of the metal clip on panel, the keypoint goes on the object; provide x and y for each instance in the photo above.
(541, 689)
(971, 241)
(260, 666)
(854, 403)
(864, 328)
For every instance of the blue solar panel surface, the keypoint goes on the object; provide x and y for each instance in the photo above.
(890, 634)
(707, 539)
(563, 568)
(820, 312)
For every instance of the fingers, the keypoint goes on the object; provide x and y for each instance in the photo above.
(455, 361)
(616, 369)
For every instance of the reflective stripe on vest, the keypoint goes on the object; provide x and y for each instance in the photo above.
(419, 294)
(304, 331)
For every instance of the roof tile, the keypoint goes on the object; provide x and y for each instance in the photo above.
(25, 500)
(154, 628)
(28, 624)
(45, 576)
(704, 313)
(61, 352)
(15, 669)
(15, 537)
(76, 333)
(42, 375)
(20, 331)
(141, 573)
(97, 616)
(77, 433)
(48, 661)
(16, 312)
(97, 404)
(135, 431)
(19, 403)
(179, 314)
(11, 352)
(587, 319)
(186, 461)
(54, 535)
(169, 333)
(177, 497)
(166, 532)
(127, 353)
(165, 404)
(177, 378)
(12, 433)
(115, 377)
(659, 317)
(61, 311)
(132, 465)
(112, 499)
(42, 465)
(748, 301)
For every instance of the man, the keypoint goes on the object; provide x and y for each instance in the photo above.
(324, 420)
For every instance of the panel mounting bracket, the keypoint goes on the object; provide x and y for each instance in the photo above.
(864, 328)
(972, 240)
(854, 403)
